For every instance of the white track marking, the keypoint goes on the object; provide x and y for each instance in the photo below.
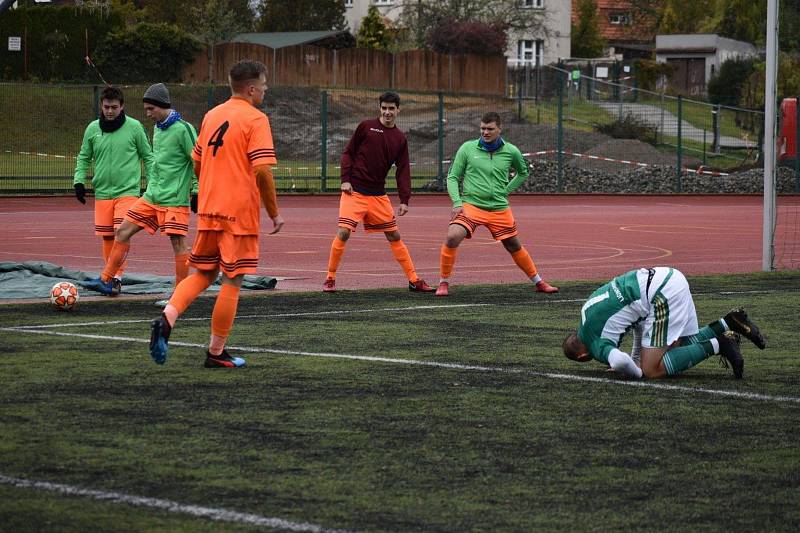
(448, 366)
(220, 515)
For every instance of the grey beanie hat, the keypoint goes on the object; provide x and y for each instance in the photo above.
(158, 95)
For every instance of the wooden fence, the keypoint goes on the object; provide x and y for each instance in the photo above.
(308, 65)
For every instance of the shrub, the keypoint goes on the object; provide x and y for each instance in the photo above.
(649, 72)
(629, 127)
(726, 86)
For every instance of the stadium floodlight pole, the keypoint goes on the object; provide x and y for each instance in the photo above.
(97, 70)
(770, 97)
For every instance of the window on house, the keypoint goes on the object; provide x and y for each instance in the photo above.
(535, 4)
(621, 19)
(382, 2)
(530, 51)
(348, 3)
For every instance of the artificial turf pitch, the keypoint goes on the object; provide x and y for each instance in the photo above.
(384, 410)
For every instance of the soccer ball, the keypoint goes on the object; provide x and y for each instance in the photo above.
(64, 296)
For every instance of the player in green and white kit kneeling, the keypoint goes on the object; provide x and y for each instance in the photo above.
(657, 305)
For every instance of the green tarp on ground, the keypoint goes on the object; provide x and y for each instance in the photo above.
(34, 279)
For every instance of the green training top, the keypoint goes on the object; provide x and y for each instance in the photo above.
(174, 178)
(485, 175)
(116, 156)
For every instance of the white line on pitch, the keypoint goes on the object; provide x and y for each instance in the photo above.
(220, 515)
(448, 366)
(247, 317)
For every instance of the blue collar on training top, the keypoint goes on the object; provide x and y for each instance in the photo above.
(491, 147)
(171, 119)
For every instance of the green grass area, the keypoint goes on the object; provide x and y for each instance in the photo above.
(392, 411)
(578, 114)
(699, 115)
(725, 160)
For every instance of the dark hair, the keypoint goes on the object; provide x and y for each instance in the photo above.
(112, 93)
(572, 346)
(491, 116)
(244, 71)
(390, 98)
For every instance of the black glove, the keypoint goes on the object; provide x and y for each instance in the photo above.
(80, 192)
(193, 203)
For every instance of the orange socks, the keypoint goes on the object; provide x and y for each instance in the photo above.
(115, 259)
(181, 267)
(447, 261)
(524, 261)
(108, 244)
(401, 255)
(222, 317)
(337, 249)
(185, 293)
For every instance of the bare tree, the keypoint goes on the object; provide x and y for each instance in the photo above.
(422, 17)
(214, 23)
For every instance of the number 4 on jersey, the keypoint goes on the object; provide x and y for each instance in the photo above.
(216, 137)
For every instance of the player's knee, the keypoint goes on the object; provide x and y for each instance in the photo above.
(343, 234)
(392, 236)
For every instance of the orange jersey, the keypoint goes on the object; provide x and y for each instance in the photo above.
(234, 138)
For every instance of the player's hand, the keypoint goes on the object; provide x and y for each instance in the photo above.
(80, 192)
(277, 222)
(193, 203)
(347, 187)
(402, 209)
(456, 211)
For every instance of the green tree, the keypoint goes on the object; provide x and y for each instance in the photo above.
(145, 52)
(743, 20)
(178, 12)
(301, 15)
(373, 32)
(586, 38)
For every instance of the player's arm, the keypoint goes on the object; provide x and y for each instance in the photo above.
(454, 176)
(269, 197)
(188, 141)
(623, 363)
(521, 166)
(83, 160)
(349, 156)
(145, 152)
(402, 176)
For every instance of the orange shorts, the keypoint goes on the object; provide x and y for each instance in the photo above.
(499, 223)
(375, 211)
(151, 218)
(233, 254)
(108, 214)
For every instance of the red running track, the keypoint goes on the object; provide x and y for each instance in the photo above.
(569, 237)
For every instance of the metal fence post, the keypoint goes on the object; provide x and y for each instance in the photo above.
(323, 148)
(440, 138)
(560, 139)
(662, 118)
(796, 150)
(679, 185)
(96, 100)
(715, 116)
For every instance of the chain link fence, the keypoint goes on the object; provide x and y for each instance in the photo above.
(581, 134)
